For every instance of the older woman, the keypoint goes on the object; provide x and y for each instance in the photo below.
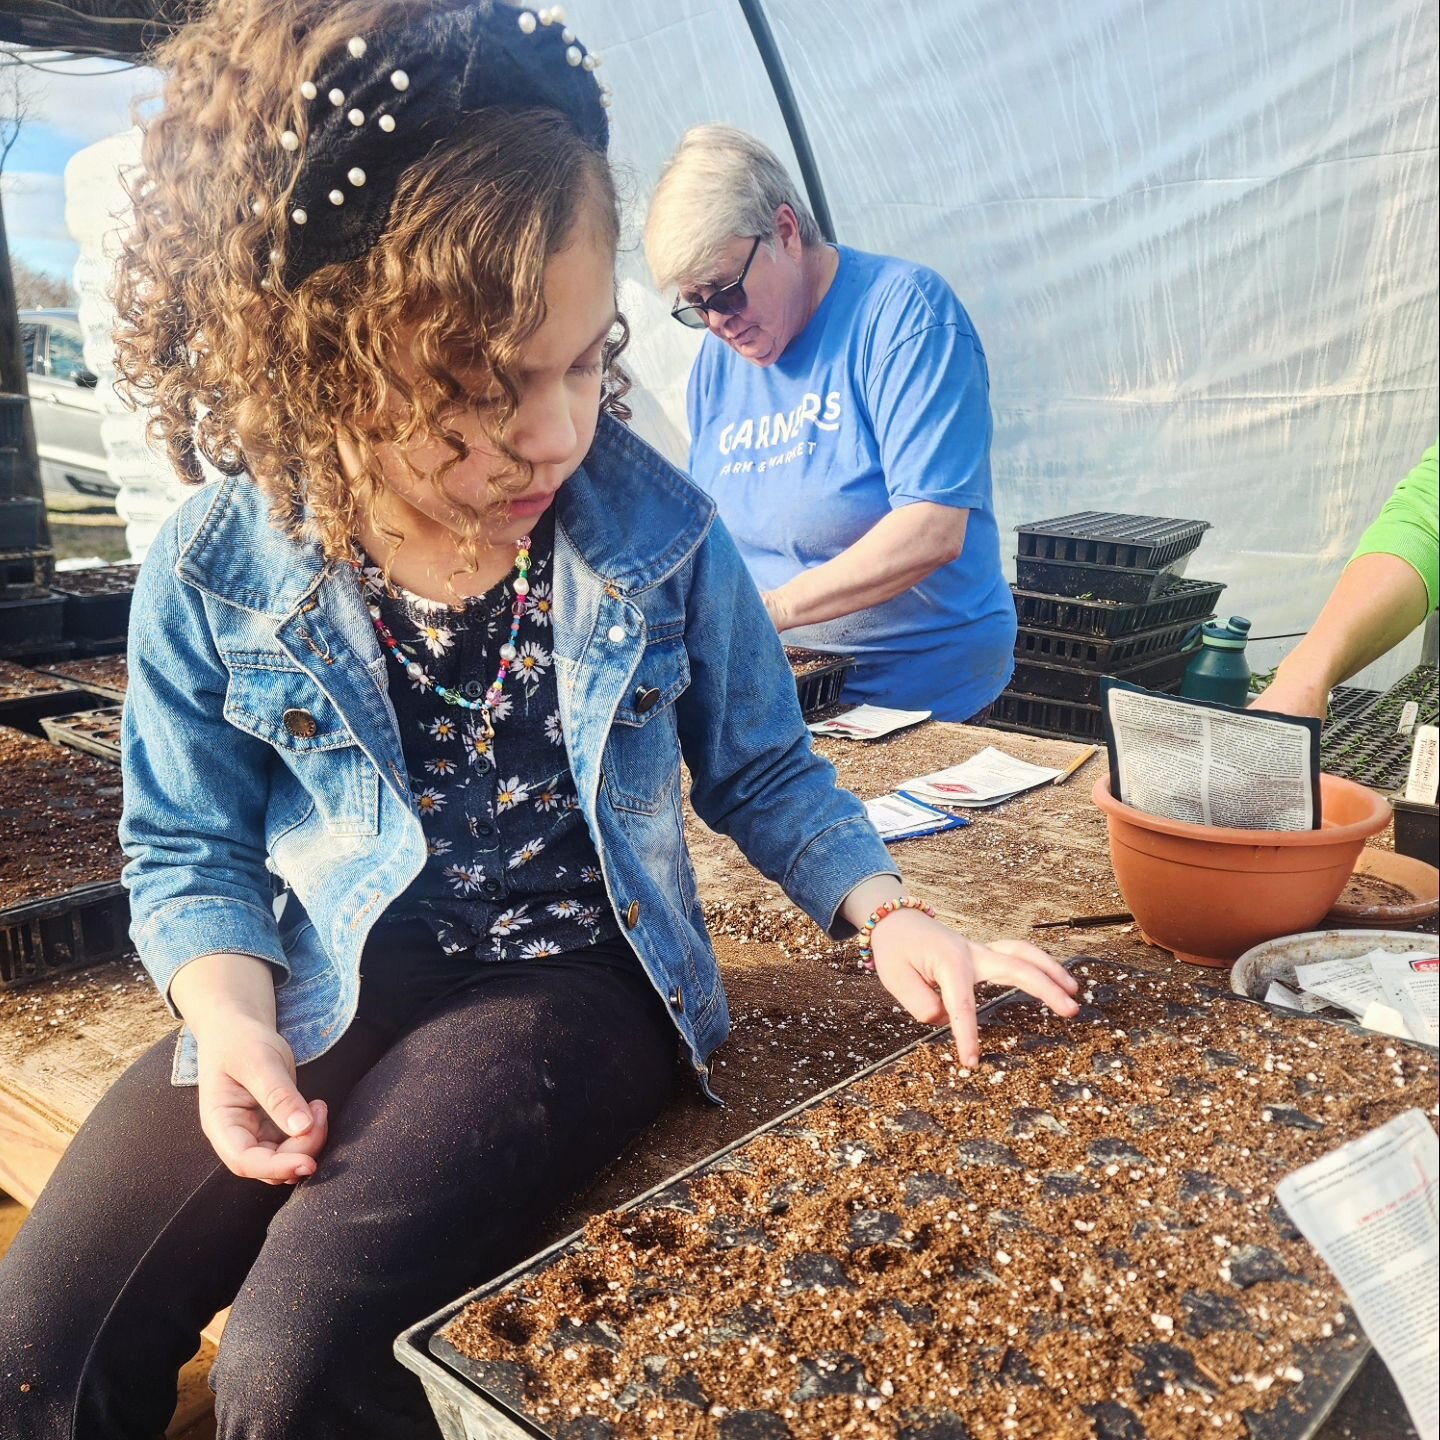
(840, 416)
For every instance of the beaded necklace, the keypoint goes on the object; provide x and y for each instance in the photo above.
(508, 651)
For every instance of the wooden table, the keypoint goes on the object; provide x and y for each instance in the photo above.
(1041, 857)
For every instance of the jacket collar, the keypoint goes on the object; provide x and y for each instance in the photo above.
(630, 514)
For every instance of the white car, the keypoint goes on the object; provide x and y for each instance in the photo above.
(66, 411)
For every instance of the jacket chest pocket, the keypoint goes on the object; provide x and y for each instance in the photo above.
(642, 754)
(285, 708)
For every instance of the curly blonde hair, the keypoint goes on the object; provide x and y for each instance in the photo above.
(259, 378)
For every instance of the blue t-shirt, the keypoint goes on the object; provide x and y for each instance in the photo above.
(881, 401)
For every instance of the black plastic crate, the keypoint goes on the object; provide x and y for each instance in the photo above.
(1050, 647)
(1082, 686)
(98, 602)
(821, 686)
(1362, 739)
(83, 927)
(96, 732)
(22, 521)
(1081, 581)
(25, 574)
(12, 420)
(1103, 537)
(1052, 719)
(1417, 830)
(1179, 600)
(30, 626)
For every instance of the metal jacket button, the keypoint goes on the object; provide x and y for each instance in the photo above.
(632, 914)
(300, 723)
(645, 700)
(617, 634)
(677, 1001)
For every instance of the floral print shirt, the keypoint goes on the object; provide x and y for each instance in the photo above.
(512, 871)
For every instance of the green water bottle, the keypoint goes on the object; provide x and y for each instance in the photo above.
(1219, 672)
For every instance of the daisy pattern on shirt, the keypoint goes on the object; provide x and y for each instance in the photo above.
(540, 604)
(430, 801)
(444, 728)
(501, 709)
(436, 637)
(477, 747)
(463, 879)
(439, 847)
(564, 909)
(512, 792)
(507, 922)
(553, 733)
(589, 916)
(525, 854)
(532, 659)
(547, 800)
(442, 765)
(539, 949)
(590, 875)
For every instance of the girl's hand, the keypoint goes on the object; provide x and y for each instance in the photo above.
(253, 1115)
(932, 971)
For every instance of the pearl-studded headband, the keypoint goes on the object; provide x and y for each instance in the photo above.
(383, 101)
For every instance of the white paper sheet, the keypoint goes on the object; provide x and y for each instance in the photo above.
(988, 778)
(1412, 985)
(868, 722)
(1350, 984)
(898, 816)
(1369, 1208)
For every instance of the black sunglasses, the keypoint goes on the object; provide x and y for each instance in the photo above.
(727, 300)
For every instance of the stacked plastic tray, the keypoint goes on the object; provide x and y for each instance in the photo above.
(31, 618)
(1098, 593)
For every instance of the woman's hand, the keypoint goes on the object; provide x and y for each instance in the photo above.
(252, 1114)
(932, 971)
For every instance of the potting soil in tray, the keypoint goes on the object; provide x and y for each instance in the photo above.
(59, 811)
(18, 683)
(105, 674)
(1079, 1239)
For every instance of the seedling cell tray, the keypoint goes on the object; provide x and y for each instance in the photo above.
(1101, 537)
(98, 602)
(80, 928)
(1082, 685)
(25, 574)
(1074, 578)
(97, 732)
(1050, 719)
(1362, 739)
(1417, 830)
(108, 675)
(1089, 652)
(27, 696)
(1179, 600)
(1059, 1136)
(819, 677)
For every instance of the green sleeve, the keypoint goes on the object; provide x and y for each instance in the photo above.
(1408, 526)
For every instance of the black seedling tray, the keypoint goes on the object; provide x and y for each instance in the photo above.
(1362, 741)
(1082, 686)
(485, 1400)
(1074, 578)
(97, 732)
(21, 520)
(822, 686)
(1051, 719)
(23, 709)
(1102, 537)
(1050, 647)
(1180, 600)
(97, 603)
(27, 626)
(82, 927)
(25, 574)
(1417, 830)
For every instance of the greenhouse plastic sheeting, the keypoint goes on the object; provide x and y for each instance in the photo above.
(1197, 240)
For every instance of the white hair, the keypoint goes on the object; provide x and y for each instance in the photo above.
(720, 183)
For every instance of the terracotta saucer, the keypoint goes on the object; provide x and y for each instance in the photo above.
(1404, 891)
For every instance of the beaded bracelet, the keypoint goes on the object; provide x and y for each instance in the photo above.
(867, 930)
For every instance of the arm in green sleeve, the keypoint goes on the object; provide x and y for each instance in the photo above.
(1409, 525)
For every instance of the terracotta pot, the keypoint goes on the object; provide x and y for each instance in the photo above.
(1209, 894)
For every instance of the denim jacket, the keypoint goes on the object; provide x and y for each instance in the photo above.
(267, 808)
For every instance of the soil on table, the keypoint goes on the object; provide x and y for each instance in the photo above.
(99, 580)
(18, 683)
(110, 671)
(1079, 1239)
(807, 662)
(59, 810)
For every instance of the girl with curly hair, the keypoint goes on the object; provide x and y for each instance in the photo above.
(411, 685)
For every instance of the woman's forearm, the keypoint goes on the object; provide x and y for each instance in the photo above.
(213, 987)
(893, 556)
(1377, 602)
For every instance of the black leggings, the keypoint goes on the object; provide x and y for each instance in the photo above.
(468, 1102)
